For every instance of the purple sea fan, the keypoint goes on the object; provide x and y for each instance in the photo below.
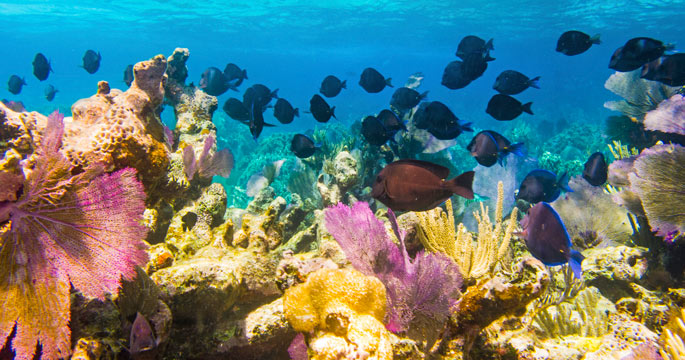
(84, 229)
(668, 117)
(221, 163)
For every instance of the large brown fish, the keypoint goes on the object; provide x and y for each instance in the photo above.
(414, 185)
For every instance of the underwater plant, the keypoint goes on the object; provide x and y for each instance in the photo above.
(421, 291)
(83, 230)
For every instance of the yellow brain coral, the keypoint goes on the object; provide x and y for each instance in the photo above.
(346, 309)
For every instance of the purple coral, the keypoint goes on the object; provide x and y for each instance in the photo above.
(221, 163)
(421, 291)
(64, 229)
(668, 117)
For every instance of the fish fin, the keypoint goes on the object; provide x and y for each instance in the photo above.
(534, 82)
(466, 127)
(333, 112)
(439, 170)
(488, 57)
(517, 149)
(274, 94)
(462, 185)
(575, 262)
(423, 96)
(669, 47)
(344, 84)
(244, 74)
(563, 183)
(526, 108)
(388, 82)
(489, 46)
(296, 112)
(233, 87)
(269, 125)
(595, 40)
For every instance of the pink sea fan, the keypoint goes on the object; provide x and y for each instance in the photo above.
(84, 229)
(668, 117)
(221, 163)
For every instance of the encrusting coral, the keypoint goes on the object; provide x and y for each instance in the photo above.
(439, 235)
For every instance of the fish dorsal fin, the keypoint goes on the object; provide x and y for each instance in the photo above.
(439, 170)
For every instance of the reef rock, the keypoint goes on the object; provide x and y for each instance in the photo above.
(613, 269)
(333, 188)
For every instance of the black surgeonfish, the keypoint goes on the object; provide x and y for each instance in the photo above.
(439, 120)
(542, 185)
(128, 75)
(320, 109)
(15, 83)
(284, 112)
(302, 146)
(259, 94)
(414, 185)
(374, 132)
(636, 52)
(575, 42)
(213, 82)
(41, 67)
(390, 121)
(474, 66)
(547, 239)
(472, 44)
(235, 109)
(489, 147)
(512, 82)
(669, 70)
(372, 81)
(331, 86)
(91, 61)
(50, 92)
(504, 107)
(234, 75)
(453, 76)
(596, 170)
(405, 98)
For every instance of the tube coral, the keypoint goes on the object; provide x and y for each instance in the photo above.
(84, 230)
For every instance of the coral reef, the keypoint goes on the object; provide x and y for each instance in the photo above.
(343, 175)
(668, 117)
(587, 314)
(640, 95)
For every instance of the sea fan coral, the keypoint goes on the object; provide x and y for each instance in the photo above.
(221, 163)
(83, 229)
(640, 95)
(668, 117)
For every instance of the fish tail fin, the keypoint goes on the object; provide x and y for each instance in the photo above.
(232, 86)
(488, 57)
(575, 262)
(595, 39)
(344, 84)
(669, 47)
(466, 127)
(563, 183)
(489, 46)
(23, 80)
(423, 96)
(296, 112)
(517, 149)
(388, 82)
(534, 82)
(526, 108)
(333, 112)
(462, 185)
(274, 94)
(244, 74)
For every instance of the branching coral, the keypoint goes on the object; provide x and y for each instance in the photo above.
(439, 235)
(83, 229)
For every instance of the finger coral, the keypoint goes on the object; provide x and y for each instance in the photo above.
(64, 229)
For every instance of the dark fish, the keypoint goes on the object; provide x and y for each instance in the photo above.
(405, 98)
(489, 147)
(453, 76)
(438, 119)
(320, 109)
(259, 94)
(575, 42)
(302, 146)
(15, 84)
(236, 110)
(474, 66)
(372, 81)
(213, 82)
(50, 92)
(331, 86)
(504, 107)
(415, 185)
(512, 82)
(596, 170)
(542, 185)
(91, 61)
(374, 132)
(669, 70)
(41, 67)
(142, 341)
(189, 220)
(256, 123)
(235, 75)
(474, 45)
(637, 52)
(390, 121)
(128, 75)
(547, 239)
(284, 112)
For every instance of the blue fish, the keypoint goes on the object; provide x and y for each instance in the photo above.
(547, 239)
(542, 185)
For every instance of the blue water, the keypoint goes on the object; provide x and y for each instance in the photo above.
(293, 45)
